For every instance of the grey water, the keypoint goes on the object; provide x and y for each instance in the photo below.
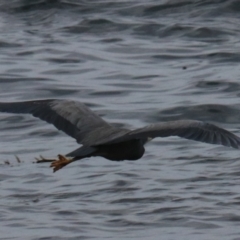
(134, 63)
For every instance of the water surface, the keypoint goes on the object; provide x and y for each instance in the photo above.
(134, 63)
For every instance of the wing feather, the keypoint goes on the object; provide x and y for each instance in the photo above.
(189, 129)
(73, 118)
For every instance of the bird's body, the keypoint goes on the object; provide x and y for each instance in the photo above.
(129, 150)
(99, 138)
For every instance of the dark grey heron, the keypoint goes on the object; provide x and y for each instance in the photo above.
(99, 138)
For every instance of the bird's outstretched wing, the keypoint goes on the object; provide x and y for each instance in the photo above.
(189, 129)
(73, 118)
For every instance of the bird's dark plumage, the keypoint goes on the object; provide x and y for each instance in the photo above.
(99, 138)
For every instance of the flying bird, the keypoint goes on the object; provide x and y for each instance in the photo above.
(99, 138)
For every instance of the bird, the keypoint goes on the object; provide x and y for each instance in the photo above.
(97, 137)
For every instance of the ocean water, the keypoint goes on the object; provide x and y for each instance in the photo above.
(134, 63)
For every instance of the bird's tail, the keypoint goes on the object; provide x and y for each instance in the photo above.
(82, 152)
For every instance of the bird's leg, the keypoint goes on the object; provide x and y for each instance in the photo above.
(41, 159)
(60, 163)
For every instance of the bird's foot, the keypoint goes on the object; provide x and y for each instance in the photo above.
(60, 163)
(41, 159)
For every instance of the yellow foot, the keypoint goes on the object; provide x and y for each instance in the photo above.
(41, 159)
(60, 163)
